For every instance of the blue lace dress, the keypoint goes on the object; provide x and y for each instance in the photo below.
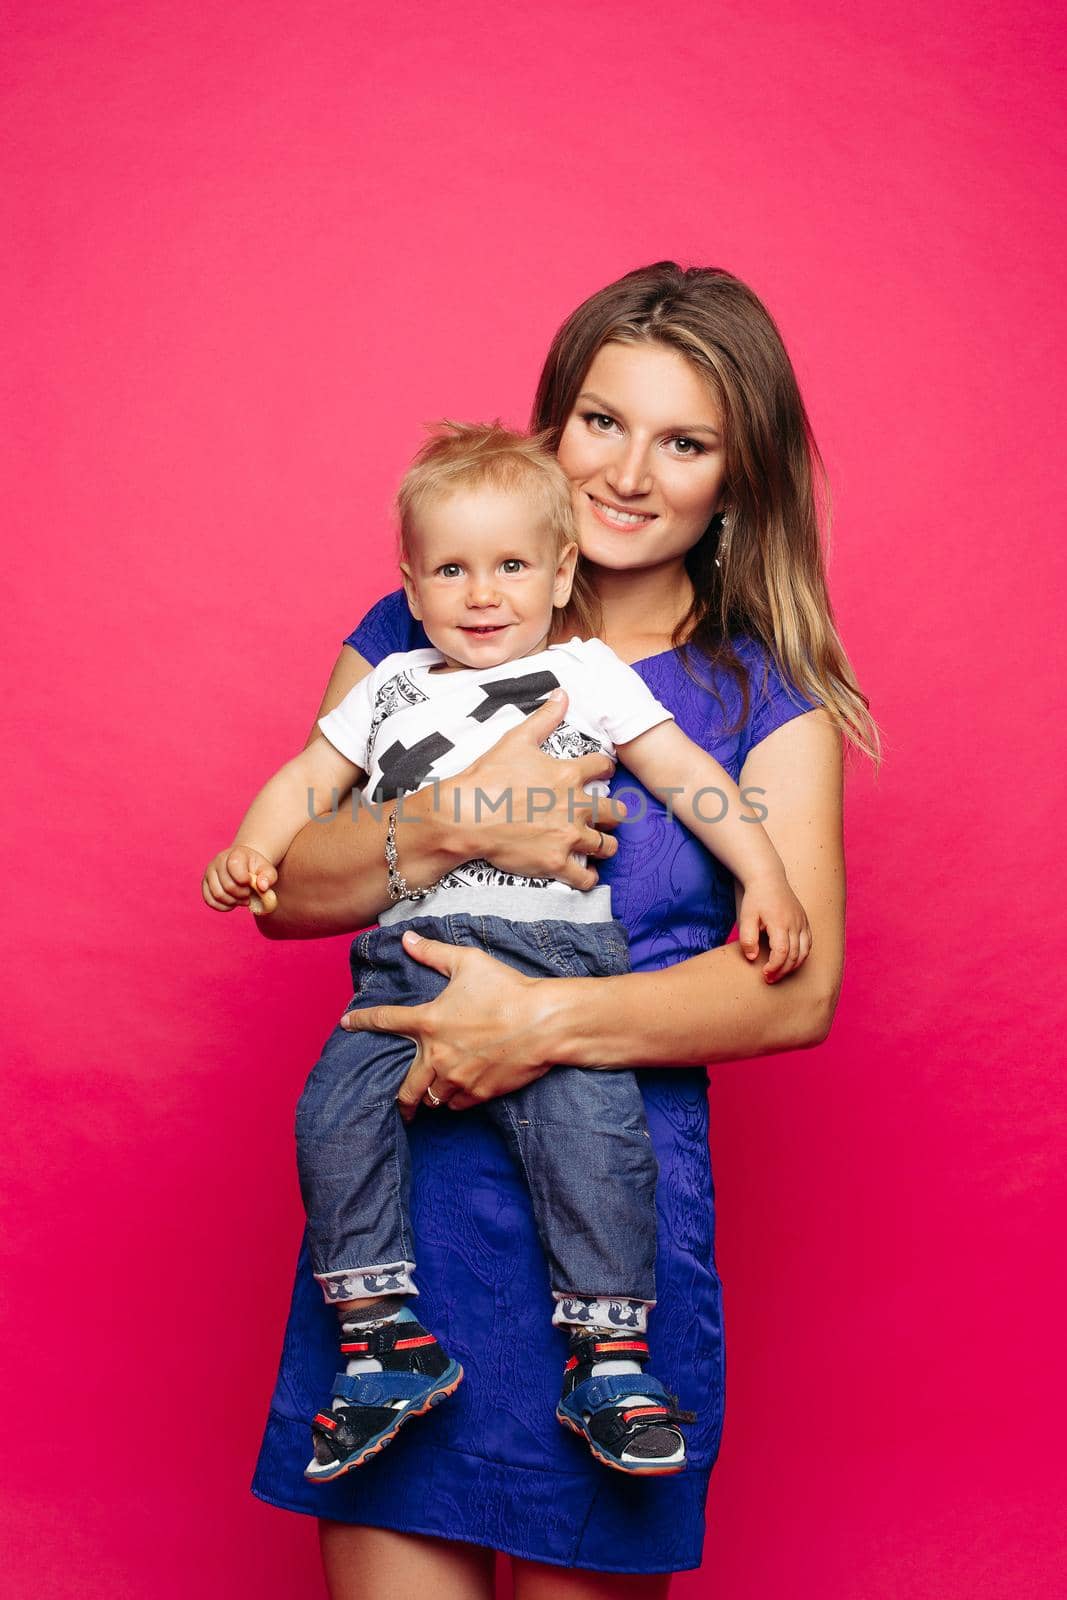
(493, 1466)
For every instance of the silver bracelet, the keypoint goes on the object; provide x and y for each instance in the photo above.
(399, 888)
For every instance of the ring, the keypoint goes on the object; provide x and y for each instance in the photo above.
(433, 1099)
(600, 840)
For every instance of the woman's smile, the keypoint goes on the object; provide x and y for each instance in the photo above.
(643, 448)
(615, 517)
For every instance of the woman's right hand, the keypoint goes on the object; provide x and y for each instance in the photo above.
(526, 811)
(333, 878)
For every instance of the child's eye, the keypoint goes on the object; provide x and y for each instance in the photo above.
(513, 564)
(450, 569)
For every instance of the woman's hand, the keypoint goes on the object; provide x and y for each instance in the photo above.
(481, 1037)
(528, 812)
(333, 877)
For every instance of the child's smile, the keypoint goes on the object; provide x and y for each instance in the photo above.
(482, 576)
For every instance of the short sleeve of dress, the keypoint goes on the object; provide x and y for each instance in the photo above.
(774, 701)
(387, 627)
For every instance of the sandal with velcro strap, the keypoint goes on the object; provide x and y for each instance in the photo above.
(416, 1376)
(629, 1420)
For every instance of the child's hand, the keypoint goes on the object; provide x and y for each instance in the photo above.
(770, 903)
(240, 876)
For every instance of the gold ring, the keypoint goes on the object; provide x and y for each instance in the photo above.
(433, 1099)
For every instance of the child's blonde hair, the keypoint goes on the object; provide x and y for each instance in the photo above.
(470, 455)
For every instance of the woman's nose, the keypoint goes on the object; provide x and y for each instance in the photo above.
(629, 472)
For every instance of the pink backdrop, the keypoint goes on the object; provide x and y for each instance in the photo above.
(251, 248)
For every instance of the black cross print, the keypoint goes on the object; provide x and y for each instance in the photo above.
(405, 769)
(526, 693)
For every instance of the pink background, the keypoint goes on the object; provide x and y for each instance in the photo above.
(251, 248)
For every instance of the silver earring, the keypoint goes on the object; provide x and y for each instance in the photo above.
(723, 527)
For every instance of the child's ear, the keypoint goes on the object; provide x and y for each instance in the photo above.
(410, 591)
(564, 582)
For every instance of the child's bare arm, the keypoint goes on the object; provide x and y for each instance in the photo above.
(307, 786)
(704, 796)
(304, 788)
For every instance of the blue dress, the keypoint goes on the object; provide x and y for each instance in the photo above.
(493, 1466)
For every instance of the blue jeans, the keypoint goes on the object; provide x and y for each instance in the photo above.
(579, 1134)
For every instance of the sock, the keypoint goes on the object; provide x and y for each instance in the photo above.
(615, 1315)
(393, 1308)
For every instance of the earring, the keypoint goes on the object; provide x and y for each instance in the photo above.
(724, 524)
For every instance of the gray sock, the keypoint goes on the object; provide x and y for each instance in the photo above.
(384, 1310)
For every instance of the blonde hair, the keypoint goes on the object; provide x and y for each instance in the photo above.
(466, 455)
(759, 568)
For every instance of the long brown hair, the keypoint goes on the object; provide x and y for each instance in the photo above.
(769, 583)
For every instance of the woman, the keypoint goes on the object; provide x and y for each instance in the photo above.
(677, 418)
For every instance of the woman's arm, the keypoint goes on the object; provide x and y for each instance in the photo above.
(716, 1006)
(669, 764)
(334, 878)
(492, 1030)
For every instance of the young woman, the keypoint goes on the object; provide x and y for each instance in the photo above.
(677, 418)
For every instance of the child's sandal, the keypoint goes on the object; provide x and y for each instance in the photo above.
(417, 1375)
(635, 1436)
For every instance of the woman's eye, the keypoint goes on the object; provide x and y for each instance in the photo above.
(597, 418)
(513, 564)
(692, 448)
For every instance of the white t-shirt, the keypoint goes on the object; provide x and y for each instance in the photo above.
(405, 725)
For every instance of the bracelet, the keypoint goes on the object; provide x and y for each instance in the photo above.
(399, 888)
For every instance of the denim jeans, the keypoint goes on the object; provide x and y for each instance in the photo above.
(578, 1134)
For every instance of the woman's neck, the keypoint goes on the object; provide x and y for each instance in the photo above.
(641, 609)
